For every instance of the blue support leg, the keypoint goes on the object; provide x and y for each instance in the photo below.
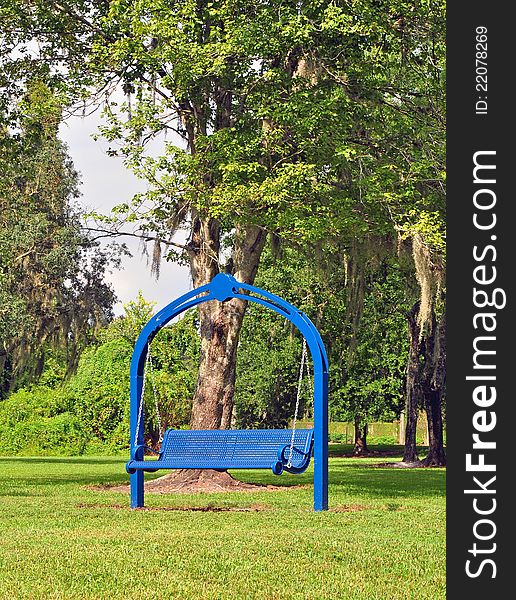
(137, 495)
(321, 446)
(136, 428)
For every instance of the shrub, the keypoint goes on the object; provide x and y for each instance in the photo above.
(89, 413)
(98, 394)
(36, 420)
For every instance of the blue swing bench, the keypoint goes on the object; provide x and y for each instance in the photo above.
(230, 449)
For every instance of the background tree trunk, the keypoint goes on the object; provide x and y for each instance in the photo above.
(426, 371)
(436, 455)
(360, 447)
(413, 390)
(433, 387)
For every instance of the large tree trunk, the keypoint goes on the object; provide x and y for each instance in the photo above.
(220, 324)
(412, 388)
(220, 329)
(360, 448)
(432, 387)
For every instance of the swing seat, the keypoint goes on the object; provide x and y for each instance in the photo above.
(229, 449)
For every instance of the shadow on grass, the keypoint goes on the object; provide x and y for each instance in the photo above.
(69, 460)
(54, 481)
(338, 449)
(114, 477)
(67, 471)
(349, 476)
(398, 483)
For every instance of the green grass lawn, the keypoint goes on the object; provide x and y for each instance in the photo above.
(383, 539)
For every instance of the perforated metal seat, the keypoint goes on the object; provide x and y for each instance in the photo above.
(230, 449)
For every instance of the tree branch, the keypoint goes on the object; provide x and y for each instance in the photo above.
(105, 233)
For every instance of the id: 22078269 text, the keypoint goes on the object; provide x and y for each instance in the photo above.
(481, 70)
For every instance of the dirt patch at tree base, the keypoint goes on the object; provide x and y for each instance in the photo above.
(208, 508)
(191, 481)
(348, 508)
(368, 454)
(417, 464)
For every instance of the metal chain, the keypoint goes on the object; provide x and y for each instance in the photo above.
(142, 397)
(311, 381)
(298, 397)
(156, 404)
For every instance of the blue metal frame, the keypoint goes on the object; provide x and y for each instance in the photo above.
(224, 287)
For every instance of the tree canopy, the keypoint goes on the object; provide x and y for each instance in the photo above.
(318, 126)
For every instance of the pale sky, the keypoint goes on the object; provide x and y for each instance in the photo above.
(105, 183)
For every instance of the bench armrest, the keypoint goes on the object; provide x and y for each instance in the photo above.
(145, 447)
(284, 459)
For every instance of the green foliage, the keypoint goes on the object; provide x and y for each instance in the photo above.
(176, 354)
(312, 120)
(175, 358)
(54, 371)
(373, 382)
(128, 327)
(229, 80)
(367, 365)
(39, 420)
(99, 392)
(267, 370)
(63, 434)
(270, 348)
(89, 411)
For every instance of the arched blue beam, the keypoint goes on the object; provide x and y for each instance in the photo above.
(224, 287)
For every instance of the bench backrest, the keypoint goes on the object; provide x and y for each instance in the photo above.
(240, 448)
